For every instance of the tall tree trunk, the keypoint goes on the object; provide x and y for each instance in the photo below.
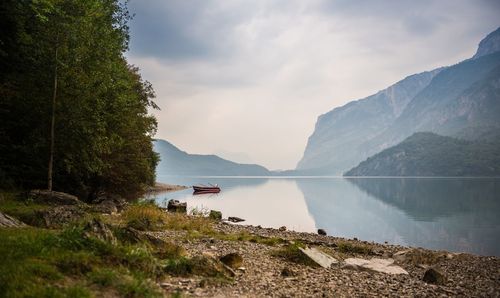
(52, 133)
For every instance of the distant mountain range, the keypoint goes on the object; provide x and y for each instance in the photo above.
(461, 101)
(428, 154)
(177, 162)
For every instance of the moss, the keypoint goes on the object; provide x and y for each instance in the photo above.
(245, 236)
(350, 248)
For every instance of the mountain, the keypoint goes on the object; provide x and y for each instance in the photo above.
(462, 100)
(429, 154)
(330, 148)
(177, 162)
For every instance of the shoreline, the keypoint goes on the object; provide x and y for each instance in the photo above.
(164, 187)
(264, 274)
(200, 256)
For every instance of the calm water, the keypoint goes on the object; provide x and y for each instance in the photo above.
(456, 214)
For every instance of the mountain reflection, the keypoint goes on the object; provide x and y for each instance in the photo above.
(452, 214)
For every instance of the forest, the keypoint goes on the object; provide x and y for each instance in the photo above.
(74, 113)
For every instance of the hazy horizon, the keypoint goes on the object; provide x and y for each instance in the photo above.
(247, 79)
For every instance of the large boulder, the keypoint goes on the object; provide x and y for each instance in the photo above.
(109, 204)
(60, 215)
(378, 265)
(53, 197)
(9, 221)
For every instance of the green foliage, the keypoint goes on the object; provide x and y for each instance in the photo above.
(347, 247)
(103, 133)
(246, 236)
(35, 258)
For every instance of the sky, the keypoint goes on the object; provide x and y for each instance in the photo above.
(247, 79)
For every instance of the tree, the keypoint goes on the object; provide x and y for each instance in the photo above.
(103, 132)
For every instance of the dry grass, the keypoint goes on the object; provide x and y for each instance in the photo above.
(352, 248)
(144, 217)
(152, 218)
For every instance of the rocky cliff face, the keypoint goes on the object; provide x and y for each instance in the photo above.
(460, 100)
(489, 45)
(341, 130)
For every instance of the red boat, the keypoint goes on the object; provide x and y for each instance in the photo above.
(199, 189)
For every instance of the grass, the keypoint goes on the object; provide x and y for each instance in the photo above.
(46, 263)
(246, 236)
(67, 262)
(27, 211)
(350, 248)
(292, 253)
(418, 257)
(147, 216)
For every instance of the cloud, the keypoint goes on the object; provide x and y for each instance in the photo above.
(252, 76)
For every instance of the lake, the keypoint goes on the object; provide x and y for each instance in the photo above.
(455, 214)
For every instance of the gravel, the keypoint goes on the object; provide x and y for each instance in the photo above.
(466, 275)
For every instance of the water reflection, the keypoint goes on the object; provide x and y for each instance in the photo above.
(451, 214)
(260, 201)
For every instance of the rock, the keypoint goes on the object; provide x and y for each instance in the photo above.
(130, 235)
(434, 276)
(60, 215)
(9, 221)
(233, 260)
(109, 204)
(210, 267)
(321, 232)
(176, 206)
(282, 228)
(54, 197)
(98, 229)
(235, 219)
(287, 272)
(215, 215)
(401, 255)
(378, 265)
(319, 257)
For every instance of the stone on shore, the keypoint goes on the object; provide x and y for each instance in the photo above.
(235, 219)
(233, 260)
(434, 276)
(321, 232)
(319, 257)
(378, 265)
(176, 206)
